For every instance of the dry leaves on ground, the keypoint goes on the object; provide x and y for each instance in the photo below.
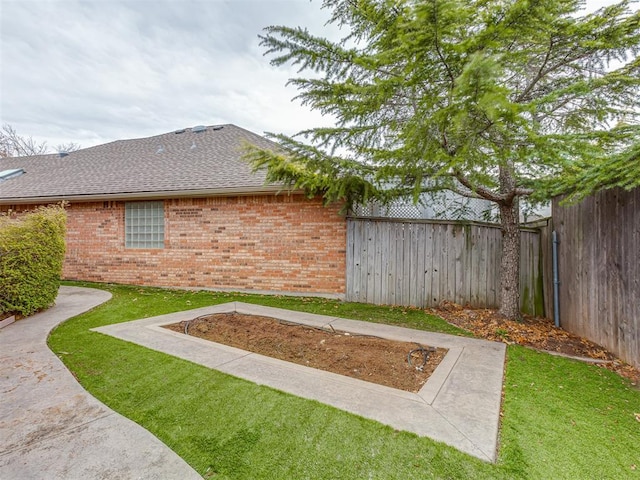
(535, 332)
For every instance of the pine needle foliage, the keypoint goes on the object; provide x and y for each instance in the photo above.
(492, 99)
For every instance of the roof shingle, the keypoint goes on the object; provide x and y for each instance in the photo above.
(188, 162)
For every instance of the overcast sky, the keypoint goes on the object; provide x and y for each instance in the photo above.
(94, 71)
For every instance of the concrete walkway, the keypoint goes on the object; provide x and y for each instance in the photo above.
(459, 405)
(50, 427)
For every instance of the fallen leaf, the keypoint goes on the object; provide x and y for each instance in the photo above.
(535, 332)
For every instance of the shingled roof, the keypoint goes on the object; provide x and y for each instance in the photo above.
(186, 162)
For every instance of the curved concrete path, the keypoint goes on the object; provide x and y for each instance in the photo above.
(50, 427)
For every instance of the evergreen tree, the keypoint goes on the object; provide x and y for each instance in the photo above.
(620, 167)
(482, 97)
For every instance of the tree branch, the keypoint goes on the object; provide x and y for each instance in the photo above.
(538, 76)
(439, 52)
(479, 190)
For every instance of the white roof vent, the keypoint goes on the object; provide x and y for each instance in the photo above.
(13, 173)
(198, 129)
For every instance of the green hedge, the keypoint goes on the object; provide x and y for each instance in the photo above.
(32, 249)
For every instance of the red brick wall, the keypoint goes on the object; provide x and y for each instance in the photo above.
(273, 243)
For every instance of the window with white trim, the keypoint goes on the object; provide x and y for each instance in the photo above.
(144, 225)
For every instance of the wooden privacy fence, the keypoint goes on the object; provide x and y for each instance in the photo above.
(422, 262)
(599, 266)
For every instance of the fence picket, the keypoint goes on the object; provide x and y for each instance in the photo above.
(422, 263)
(599, 268)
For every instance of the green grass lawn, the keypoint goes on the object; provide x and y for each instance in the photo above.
(562, 419)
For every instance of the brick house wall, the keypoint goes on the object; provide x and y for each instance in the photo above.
(283, 243)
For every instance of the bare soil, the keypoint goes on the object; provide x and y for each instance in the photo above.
(368, 358)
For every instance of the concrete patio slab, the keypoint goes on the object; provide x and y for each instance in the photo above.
(459, 405)
(50, 427)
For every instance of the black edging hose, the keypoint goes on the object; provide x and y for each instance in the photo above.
(188, 322)
(425, 356)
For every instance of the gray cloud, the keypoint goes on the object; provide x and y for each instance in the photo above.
(97, 70)
(94, 71)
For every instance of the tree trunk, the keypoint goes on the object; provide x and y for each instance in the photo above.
(510, 264)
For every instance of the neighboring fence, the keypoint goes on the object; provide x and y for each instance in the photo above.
(441, 205)
(599, 265)
(422, 263)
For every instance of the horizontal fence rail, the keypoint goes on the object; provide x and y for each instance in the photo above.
(422, 263)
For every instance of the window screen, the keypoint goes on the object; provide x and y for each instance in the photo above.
(144, 224)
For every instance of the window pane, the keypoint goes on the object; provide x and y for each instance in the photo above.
(144, 224)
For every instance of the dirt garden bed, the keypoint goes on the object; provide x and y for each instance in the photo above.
(369, 358)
